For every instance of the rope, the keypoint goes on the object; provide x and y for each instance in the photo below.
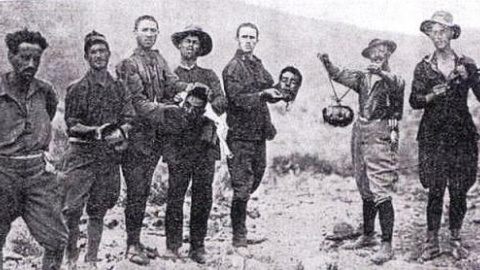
(337, 99)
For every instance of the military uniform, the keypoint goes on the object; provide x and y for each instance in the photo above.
(91, 166)
(152, 85)
(250, 126)
(27, 190)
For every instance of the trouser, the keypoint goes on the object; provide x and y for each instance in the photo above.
(201, 173)
(246, 171)
(375, 172)
(91, 178)
(374, 163)
(30, 192)
(447, 165)
(138, 170)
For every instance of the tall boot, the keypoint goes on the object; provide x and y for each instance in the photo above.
(387, 218)
(71, 251)
(52, 259)
(94, 235)
(458, 250)
(431, 248)
(238, 215)
(368, 237)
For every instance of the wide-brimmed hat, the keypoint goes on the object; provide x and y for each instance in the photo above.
(444, 18)
(342, 231)
(392, 46)
(205, 39)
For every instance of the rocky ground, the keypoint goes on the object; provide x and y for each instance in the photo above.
(294, 212)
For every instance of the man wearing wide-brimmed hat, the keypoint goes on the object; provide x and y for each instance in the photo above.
(191, 155)
(447, 137)
(152, 85)
(98, 115)
(375, 140)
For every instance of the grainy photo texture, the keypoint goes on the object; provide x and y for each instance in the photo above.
(239, 134)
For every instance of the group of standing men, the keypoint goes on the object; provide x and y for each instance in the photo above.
(129, 124)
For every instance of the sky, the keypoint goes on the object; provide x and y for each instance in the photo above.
(402, 16)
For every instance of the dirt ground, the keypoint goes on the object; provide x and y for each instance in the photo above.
(294, 213)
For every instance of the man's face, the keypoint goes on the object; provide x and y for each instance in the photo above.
(194, 106)
(440, 35)
(25, 63)
(247, 39)
(189, 47)
(98, 56)
(289, 81)
(146, 33)
(379, 55)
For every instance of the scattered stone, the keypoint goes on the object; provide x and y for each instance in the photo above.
(253, 213)
(112, 224)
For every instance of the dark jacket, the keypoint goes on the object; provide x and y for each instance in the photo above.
(445, 119)
(152, 85)
(188, 140)
(94, 100)
(248, 117)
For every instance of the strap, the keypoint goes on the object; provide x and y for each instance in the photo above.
(337, 99)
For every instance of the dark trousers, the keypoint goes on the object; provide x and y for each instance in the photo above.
(201, 173)
(447, 165)
(91, 178)
(138, 171)
(246, 171)
(30, 192)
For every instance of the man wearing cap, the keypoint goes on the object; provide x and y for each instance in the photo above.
(27, 189)
(192, 155)
(375, 140)
(248, 86)
(447, 137)
(152, 85)
(98, 114)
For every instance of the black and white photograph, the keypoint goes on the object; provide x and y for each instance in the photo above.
(239, 134)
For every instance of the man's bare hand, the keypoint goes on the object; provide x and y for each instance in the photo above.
(324, 58)
(272, 93)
